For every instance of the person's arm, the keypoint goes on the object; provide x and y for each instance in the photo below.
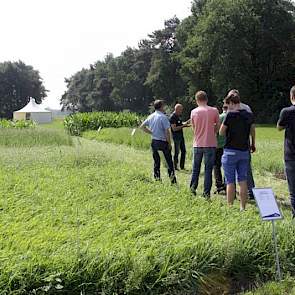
(280, 128)
(177, 128)
(188, 123)
(222, 130)
(217, 122)
(253, 138)
(168, 137)
(144, 127)
(282, 122)
(191, 122)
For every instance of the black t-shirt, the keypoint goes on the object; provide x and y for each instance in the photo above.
(174, 119)
(287, 120)
(238, 125)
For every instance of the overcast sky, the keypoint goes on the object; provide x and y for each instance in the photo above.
(59, 37)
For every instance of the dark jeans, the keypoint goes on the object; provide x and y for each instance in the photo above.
(290, 173)
(209, 155)
(250, 179)
(179, 145)
(219, 181)
(159, 145)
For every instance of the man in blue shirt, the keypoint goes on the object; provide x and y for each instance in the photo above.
(287, 122)
(158, 125)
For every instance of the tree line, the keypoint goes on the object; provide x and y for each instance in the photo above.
(223, 44)
(244, 44)
(18, 82)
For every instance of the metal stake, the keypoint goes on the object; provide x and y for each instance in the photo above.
(274, 237)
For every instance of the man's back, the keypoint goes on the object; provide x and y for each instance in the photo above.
(204, 121)
(158, 124)
(238, 129)
(287, 119)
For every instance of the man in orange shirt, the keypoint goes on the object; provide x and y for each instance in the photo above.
(205, 124)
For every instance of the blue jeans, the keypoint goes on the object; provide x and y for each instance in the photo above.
(209, 155)
(290, 173)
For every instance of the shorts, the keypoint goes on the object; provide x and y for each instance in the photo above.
(235, 165)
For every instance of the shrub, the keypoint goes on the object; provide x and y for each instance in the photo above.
(17, 124)
(75, 124)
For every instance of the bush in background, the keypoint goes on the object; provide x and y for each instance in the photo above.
(75, 124)
(17, 124)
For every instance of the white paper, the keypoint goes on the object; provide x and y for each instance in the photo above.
(133, 132)
(267, 204)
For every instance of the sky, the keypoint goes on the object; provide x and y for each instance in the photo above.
(60, 37)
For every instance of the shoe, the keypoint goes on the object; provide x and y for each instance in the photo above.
(220, 190)
(206, 196)
(193, 191)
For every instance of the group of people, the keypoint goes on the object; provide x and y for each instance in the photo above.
(223, 140)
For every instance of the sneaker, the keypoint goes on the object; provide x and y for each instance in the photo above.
(193, 191)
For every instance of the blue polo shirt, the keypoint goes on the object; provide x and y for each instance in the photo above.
(158, 123)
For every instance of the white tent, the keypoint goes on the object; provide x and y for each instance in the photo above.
(33, 111)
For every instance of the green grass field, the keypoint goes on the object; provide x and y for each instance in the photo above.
(267, 161)
(83, 216)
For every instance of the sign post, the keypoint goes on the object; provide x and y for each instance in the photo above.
(269, 211)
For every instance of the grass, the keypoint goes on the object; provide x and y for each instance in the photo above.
(30, 137)
(286, 287)
(269, 156)
(87, 218)
(57, 123)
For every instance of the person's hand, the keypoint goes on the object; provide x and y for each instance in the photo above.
(253, 148)
(169, 146)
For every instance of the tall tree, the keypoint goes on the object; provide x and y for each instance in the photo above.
(164, 78)
(248, 45)
(18, 82)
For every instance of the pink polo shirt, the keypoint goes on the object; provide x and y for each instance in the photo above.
(204, 119)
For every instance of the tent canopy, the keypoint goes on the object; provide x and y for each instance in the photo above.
(32, 107)
(33, 111)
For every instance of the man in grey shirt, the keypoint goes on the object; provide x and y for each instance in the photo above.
(158, 125)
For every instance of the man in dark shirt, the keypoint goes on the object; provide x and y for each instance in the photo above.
(237, 127)
(177, 133)
(250, 180)
(287, 122)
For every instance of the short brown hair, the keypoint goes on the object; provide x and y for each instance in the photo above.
(158, 104)
(292, 92)
(234, 91)
(201, 96)
(234, 98)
